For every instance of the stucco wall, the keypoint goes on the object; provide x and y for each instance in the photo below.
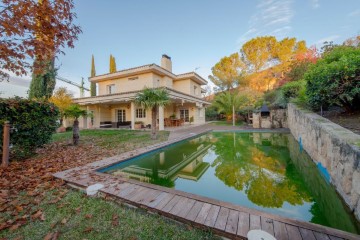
(182, 86)
(336, 148)
(126, 85)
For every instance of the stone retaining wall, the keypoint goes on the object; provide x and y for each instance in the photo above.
(335, 147)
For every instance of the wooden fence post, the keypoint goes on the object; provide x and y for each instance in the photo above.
(6, 143)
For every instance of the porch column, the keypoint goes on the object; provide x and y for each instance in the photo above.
(88, 118)
(132, 115)
(98, 119)
(161, 118)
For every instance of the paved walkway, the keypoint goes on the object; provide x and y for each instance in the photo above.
(223, 218)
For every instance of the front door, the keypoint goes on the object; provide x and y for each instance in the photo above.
(121, 116)
(184, 113)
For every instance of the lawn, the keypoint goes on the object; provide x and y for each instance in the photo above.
(34, 205)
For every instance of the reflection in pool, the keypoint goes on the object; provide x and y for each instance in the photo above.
(264, 171)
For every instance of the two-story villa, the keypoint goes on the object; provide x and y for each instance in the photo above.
(114, 103)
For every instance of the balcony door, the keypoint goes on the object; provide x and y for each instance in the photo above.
(121, 115)
(184, 113)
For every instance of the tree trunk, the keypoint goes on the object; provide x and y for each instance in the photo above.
(76, 135)
(233, 111)
(153, 125)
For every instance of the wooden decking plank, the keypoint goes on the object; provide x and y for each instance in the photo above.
(211, 217)
(179, 206)
(293, 232)
(194, 211)
(203, 213)
(222, 218)
(254, 222)
(165, 201)
(186, 208)
(232, 222)
(141, 194)
(158, 199)
(149, 197)
(171, 203)
(124, 192)
(138, 190)
(321, 236)
(307, 234)
(267, 225)
(280, 231)
(244, 224)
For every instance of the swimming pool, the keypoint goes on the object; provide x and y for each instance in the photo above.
(263, 171)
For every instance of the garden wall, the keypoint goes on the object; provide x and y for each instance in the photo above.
(336, 148)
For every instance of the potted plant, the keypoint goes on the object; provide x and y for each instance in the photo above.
(138, 124)
(191, 119)
(173, 116)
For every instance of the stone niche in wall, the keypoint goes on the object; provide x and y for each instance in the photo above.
(275, 118)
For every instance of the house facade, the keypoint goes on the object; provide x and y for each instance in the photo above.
(114, 104)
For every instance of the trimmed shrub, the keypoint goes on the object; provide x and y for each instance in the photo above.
(33, 122)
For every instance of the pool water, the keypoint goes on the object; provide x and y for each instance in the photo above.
(264, 171)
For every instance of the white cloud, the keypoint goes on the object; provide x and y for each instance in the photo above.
(273, 17)
(327, 39)
(354, 13)
(315, 4)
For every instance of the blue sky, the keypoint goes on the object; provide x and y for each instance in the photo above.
(195, 33)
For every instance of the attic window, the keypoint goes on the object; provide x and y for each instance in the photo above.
(133, 78)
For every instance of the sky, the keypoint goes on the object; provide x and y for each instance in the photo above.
(196, 34)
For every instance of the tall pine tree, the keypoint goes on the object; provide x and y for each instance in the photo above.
(93, 74)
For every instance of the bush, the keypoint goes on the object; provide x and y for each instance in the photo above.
(274, 99)
(33, 123)
(291, 90)
(335, 79)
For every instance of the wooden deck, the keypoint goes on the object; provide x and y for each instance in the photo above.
(222, 218)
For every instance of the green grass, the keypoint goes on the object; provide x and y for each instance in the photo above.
(92, 218)
(113, 139)
(226, 123)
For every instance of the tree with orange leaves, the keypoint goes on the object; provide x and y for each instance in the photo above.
(31, 29)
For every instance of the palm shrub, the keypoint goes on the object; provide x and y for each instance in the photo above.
(74, 111)
(153, 98)
(228, 103)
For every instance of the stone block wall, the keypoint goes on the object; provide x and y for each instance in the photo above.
(277, 119)
(336, 148)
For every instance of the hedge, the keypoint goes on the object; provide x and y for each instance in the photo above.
(33, 122)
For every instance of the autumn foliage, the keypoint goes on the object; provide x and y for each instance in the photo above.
(32, 29)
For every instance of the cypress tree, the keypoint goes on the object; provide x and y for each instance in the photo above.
(93, 74)
(42, 84)
(112, 67)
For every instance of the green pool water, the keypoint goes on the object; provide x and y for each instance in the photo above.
(264, 171)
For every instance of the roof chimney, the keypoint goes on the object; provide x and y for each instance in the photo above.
(166, 62)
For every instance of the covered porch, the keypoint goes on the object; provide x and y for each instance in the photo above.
(114, 111)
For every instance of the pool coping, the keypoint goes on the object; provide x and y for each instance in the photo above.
(87, 175)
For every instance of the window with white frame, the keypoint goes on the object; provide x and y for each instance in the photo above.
(140, 113)
(110, 88)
